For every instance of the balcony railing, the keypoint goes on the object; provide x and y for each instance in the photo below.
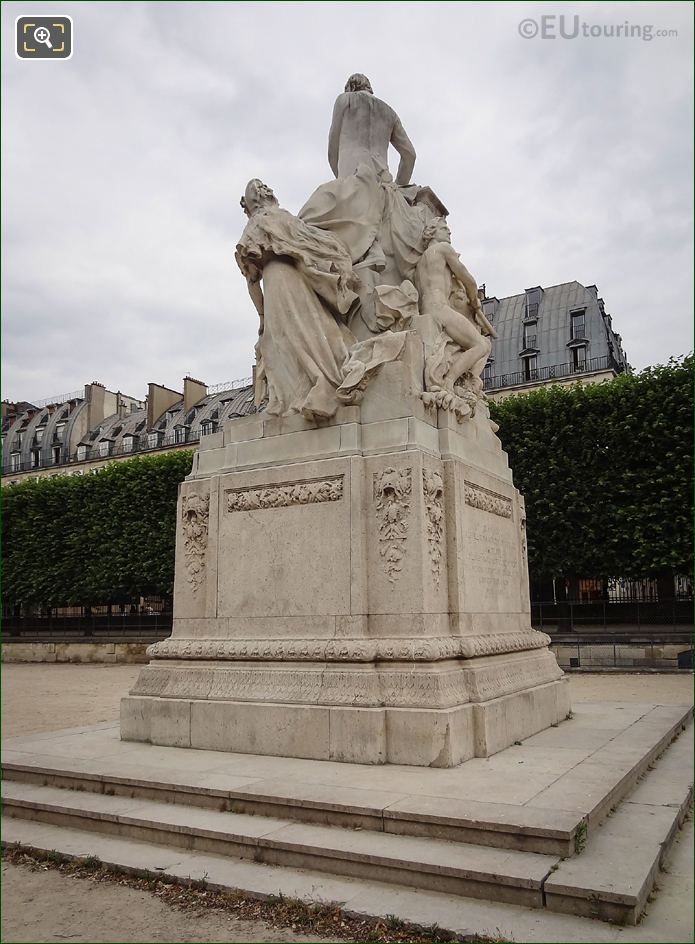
(28, 465)
(554, 372)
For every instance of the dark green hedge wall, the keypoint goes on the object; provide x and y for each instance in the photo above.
(101, 538)
(606, 470)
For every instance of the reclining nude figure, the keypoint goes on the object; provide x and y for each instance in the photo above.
(449, 299)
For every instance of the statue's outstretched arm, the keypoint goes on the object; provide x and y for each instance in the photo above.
(334, 133)
(404, 146)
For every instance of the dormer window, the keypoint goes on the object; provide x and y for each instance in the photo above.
(533, 302)
(104, 447)
(207, 427)
(81, 452)
(180, 434)
(128, 443)
(530, 336)
(578, 324)
(154, 439)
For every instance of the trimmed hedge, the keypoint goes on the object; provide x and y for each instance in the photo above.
(106, 537)
(606, 471)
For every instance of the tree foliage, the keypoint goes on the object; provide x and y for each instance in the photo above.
(106, 537)
(606, 470)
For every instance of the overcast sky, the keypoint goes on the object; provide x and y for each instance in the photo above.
(123, 166)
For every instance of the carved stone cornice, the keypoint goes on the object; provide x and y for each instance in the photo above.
(428, 649)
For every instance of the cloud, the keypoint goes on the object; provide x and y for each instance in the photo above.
(558, 160)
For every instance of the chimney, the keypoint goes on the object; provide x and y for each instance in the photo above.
(159, 399)
(95, 395)
(193, 392)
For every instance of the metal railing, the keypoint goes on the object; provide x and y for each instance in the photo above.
(230, 385)
(622, 651)
(93, 455)
(554, 372)
(579, 617)
(61, 398)
(131, 620)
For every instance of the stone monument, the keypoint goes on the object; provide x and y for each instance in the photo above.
(351, 570)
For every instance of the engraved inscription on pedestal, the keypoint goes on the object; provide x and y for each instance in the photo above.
(282, 496)
(195, 511)
(433, 489)
(392, 492)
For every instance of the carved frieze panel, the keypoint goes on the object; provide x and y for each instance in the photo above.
(309, 492)
(478, 497)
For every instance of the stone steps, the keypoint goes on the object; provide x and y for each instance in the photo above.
(614, 876)
(456, 868)
(550, 823)
(411, 828)
(549, 832)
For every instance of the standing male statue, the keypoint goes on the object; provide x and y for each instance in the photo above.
(362, 128)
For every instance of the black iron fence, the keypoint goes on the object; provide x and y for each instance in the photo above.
(574, 616)
(554, 372)
(632, 651)
(571, 619)
(149, 619)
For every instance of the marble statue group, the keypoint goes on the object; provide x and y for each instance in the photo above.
(351, 579)
(366, 258)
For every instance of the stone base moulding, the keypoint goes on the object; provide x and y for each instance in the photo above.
(421, 737)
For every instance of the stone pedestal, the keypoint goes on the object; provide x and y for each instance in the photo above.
(353, 591)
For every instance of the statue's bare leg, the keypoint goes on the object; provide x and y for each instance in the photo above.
(473, 345)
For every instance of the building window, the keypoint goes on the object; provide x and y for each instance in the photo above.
(153, 439)
(531, 368)
(533, 302)
(127, 444)
(81, 453)
(579, 358)
(530, 335)
(38, 435)
(15, 462)
(207, 427)
(104, 447)
(36, 459)
(487, 373)
(578, 324)
(56, 455)
(180, 434)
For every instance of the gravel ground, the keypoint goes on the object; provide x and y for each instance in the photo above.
(48, 906)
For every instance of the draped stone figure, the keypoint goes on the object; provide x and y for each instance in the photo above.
(300, 279)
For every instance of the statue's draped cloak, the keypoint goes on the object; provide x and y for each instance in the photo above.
(309, 359)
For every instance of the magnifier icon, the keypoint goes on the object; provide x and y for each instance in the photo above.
(43, 35)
